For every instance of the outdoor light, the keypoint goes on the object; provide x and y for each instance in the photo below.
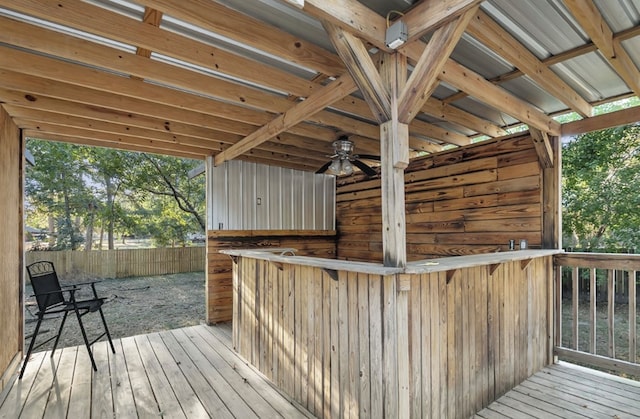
(347, 168)
(335, 167)
(396, 35)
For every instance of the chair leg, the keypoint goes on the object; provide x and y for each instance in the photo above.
(33, 341)
(86, 341)
(55, 344)
(106, 329)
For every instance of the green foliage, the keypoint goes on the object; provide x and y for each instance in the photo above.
(75, 188)
(601, 189)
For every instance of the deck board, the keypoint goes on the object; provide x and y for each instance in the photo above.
(194, 373)
(188, 373)
(568, 391)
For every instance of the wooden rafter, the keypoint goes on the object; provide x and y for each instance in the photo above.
(450, 113)
(208, 139)
(428, 15)
(591, 20)
(339, 88)
(487, 31)
(424, 78)
(453, 73)
(364, 72)
(105, 23)
(494, 96)
(255, 33)
(553, 60)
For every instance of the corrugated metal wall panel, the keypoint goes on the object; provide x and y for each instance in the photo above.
(245, 196)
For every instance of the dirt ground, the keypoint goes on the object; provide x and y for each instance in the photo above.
(134, 306)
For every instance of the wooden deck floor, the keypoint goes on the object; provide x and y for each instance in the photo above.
(568, 391)
(182, 373)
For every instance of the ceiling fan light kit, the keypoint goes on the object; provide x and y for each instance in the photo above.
(343, 160)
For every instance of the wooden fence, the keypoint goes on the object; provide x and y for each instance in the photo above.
(122, 263)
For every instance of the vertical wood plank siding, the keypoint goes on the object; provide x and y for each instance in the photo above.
(466, 201)
(10, 248)
(451, 341)
(219, 295)
(123, 263)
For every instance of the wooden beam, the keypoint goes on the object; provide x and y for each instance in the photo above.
(543, 147)
(339, 88)
(38, 66)
(226, 21)
(450, 113)
(428, 15)
(485, 91)
(487, 31)
(211, 140)
(44, 94)
(360, 65)
(457, 75)
(604, 121)
(553, 60)
(592, 22)
(424, 78)
(73, 13)
(347, 14)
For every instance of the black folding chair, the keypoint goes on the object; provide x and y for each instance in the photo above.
(54, 299)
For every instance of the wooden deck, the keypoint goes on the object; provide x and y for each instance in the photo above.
(182, 373)
(568, 391)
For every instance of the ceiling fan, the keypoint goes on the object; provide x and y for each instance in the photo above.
(343, 159)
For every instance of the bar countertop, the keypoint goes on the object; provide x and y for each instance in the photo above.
(416, 267)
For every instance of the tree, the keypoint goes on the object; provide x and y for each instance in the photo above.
(601, 189)
(123, 192)
(54, 187)
(168, 177)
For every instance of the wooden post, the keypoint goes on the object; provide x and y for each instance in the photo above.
(394, 149)
(551, 234)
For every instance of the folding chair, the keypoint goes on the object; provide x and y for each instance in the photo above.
(54, 299)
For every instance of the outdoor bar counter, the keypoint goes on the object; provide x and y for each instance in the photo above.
(441, 338)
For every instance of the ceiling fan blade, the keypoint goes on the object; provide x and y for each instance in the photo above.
(364, 167)
(324, 167)
(369, 157)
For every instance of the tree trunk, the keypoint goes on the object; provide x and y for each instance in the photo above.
(88, 241)
(111, 215)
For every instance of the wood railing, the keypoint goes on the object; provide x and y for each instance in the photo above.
(596, 324)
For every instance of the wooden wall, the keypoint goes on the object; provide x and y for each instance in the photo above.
(11, 333)
(363, 345)
(476, 333)
(219, 296)
(469, 200)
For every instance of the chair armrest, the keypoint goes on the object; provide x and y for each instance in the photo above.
(70, 290)
(93, 281)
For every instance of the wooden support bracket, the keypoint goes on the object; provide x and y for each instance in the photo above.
(450, 274)
(524, 263)
(332, 273)
(493, 267)
(543, 147)
(278, 265)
